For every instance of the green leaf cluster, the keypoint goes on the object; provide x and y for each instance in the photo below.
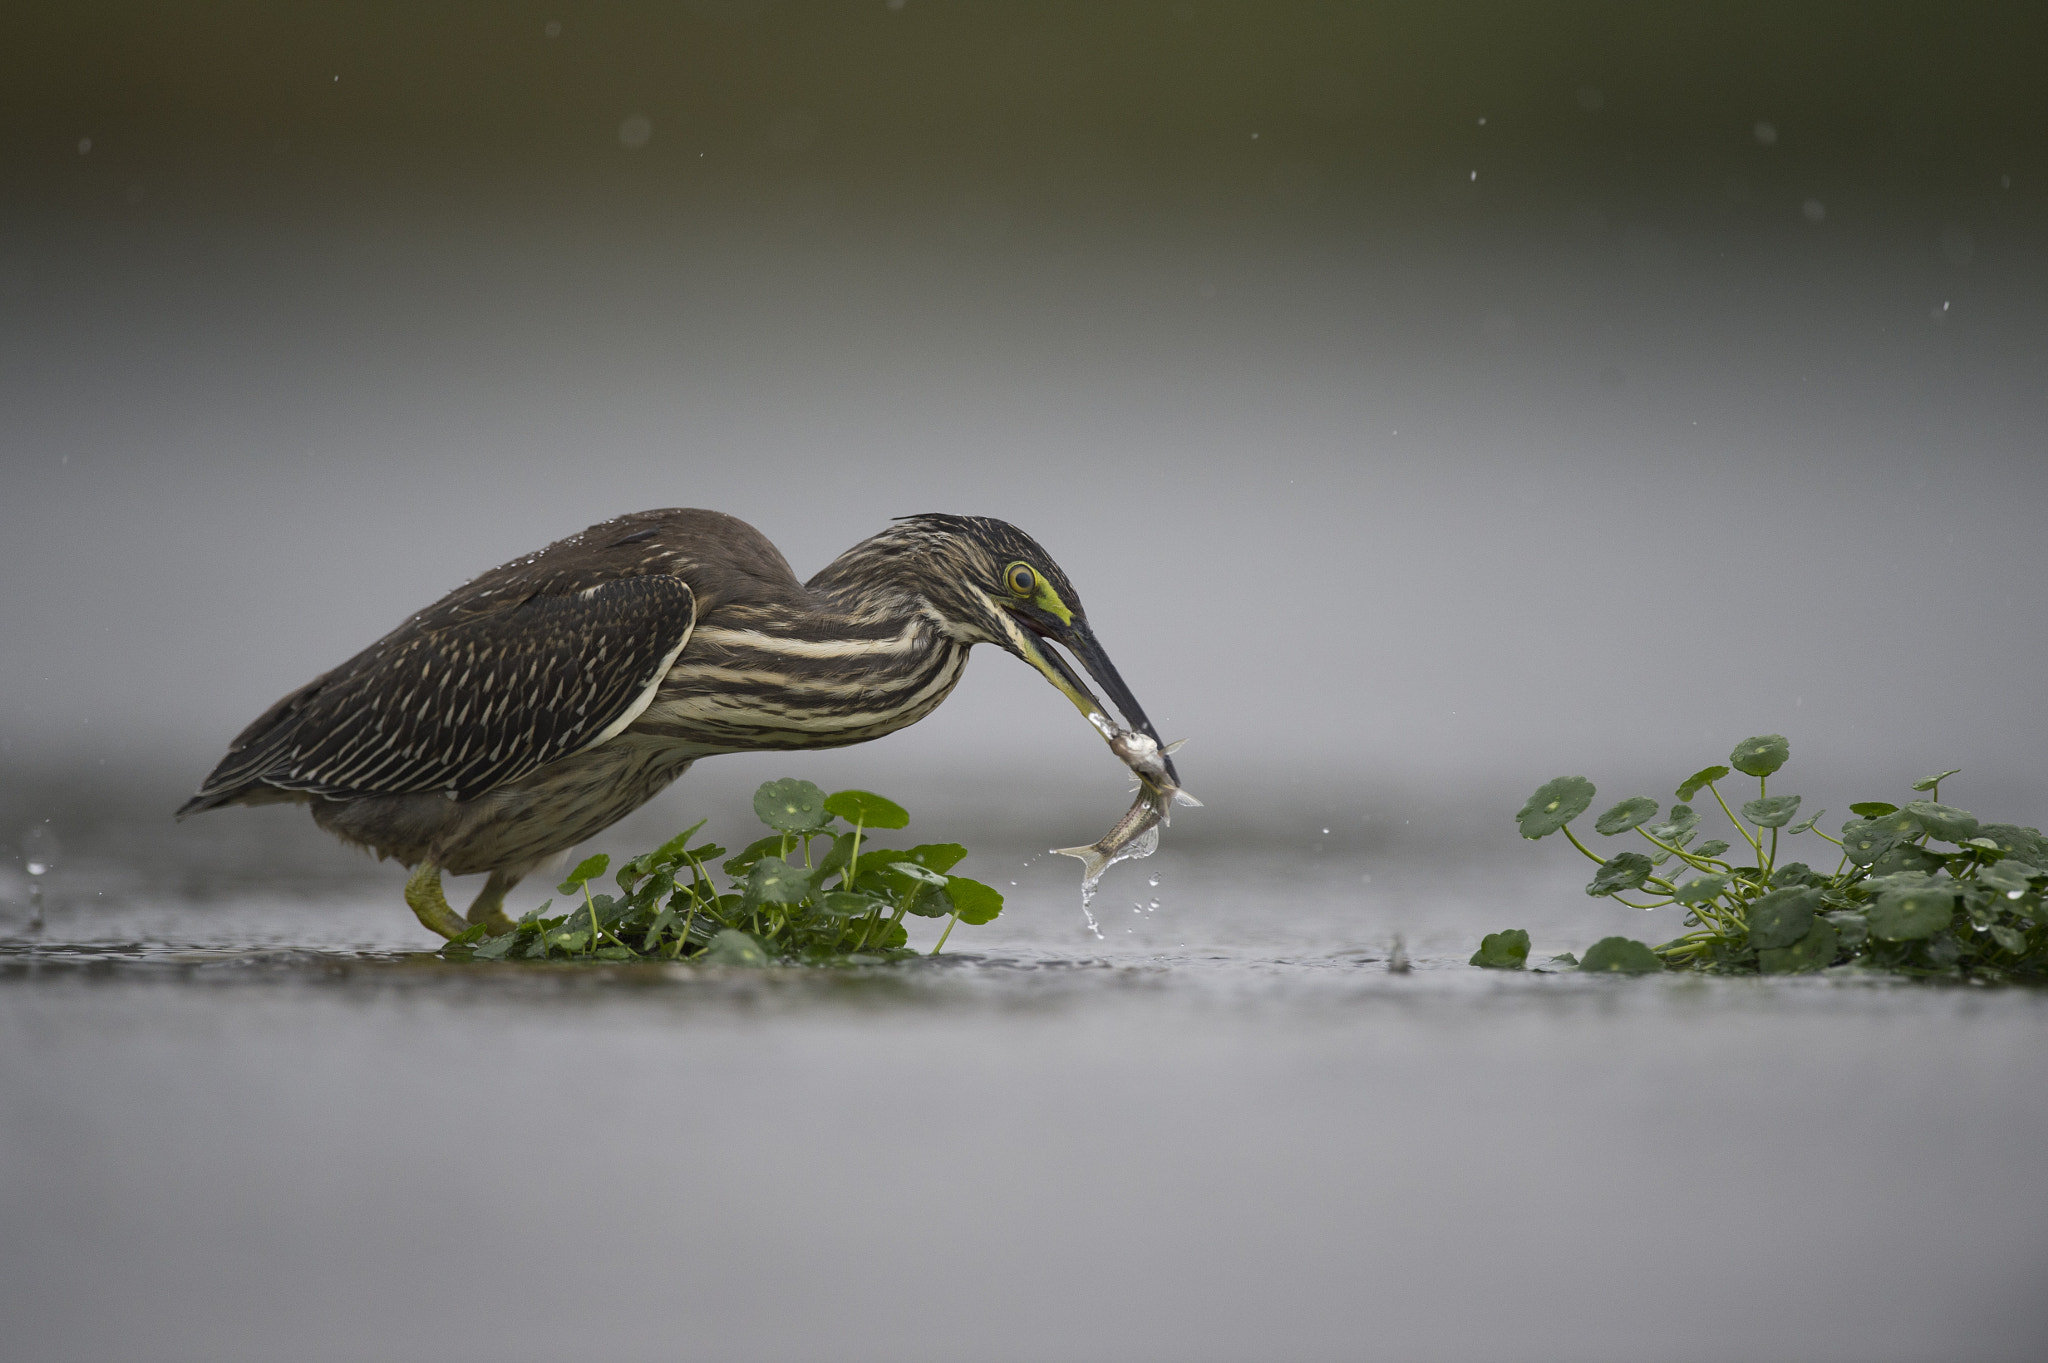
(1919, 888)
(812, 891)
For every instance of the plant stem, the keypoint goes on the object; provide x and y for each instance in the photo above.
(1741, 832)
(1692, 859)
(596, 931)
(1567, 831)
(947, 933)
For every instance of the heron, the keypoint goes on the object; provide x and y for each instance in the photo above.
(541, 702)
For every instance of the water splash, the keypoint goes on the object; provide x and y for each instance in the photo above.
(39, 851)
(1144, 845)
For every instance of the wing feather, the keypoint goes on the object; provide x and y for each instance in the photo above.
(473, 693)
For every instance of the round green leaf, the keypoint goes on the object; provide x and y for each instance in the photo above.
(2011, 879)
(1863, 842)
(866, 808)
(1714, 847)
(744, 860)
(1622, 871)
(1930, 782)
(775, 881)
(670, 852)
(1676, 829)
(1907, 914)
(929, 902)
(1906, 856)
(1620, 955)
(1872, 809)
(1554, 805)
(1944, 822)
(1760, 756)
(1807, 823)
(1814, 951)
(2012, 939)
(1782, 917)
(791, 805)
(2023, 844)
(1772, 812)
(1699, 781)
(1502, 950)
(975, 902)
(588, 869)
(1625, 815)
(1851, 929)
(733, 947)
(846, 904)
(935, 856)
(1701, 889)
(910, 870)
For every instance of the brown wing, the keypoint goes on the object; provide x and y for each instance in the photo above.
(474, 692)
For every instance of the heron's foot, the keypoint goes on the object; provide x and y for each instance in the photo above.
(423, 892)
(489, 907)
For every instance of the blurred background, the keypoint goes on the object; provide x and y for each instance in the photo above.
(1427, 399)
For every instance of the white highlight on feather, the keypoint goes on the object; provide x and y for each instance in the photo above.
(646, 696)
(904, 642)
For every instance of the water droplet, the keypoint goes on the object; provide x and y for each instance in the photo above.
(1152, 907)
(1326, 832)
(1153, 880)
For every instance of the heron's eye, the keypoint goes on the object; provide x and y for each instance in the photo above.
(1020, 579)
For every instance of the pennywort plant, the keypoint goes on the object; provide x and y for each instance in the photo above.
(813, 891)
(1920, 888)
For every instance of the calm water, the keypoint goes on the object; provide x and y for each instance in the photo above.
(245, 1120)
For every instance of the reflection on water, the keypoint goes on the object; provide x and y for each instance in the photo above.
(250, 1125)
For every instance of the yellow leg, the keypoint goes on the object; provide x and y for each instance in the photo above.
(423, 892)
(489, 908)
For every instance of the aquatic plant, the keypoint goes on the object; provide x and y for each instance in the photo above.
(812, 891)
(1921, 888)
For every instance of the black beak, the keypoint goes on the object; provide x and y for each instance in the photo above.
(1080, 640)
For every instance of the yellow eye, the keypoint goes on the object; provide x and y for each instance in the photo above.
(1021, 580)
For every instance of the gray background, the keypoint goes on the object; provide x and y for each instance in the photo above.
(1382, 482)
(1428, 399)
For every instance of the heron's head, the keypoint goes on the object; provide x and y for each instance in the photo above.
(997, 585)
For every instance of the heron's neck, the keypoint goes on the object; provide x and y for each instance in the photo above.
(850, 668)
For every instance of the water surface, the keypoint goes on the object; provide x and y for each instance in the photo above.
(255, 1123)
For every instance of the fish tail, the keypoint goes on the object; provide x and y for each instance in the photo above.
(1094, 861)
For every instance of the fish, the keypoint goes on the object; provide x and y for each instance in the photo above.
(1147, 761)
(1136, 834)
